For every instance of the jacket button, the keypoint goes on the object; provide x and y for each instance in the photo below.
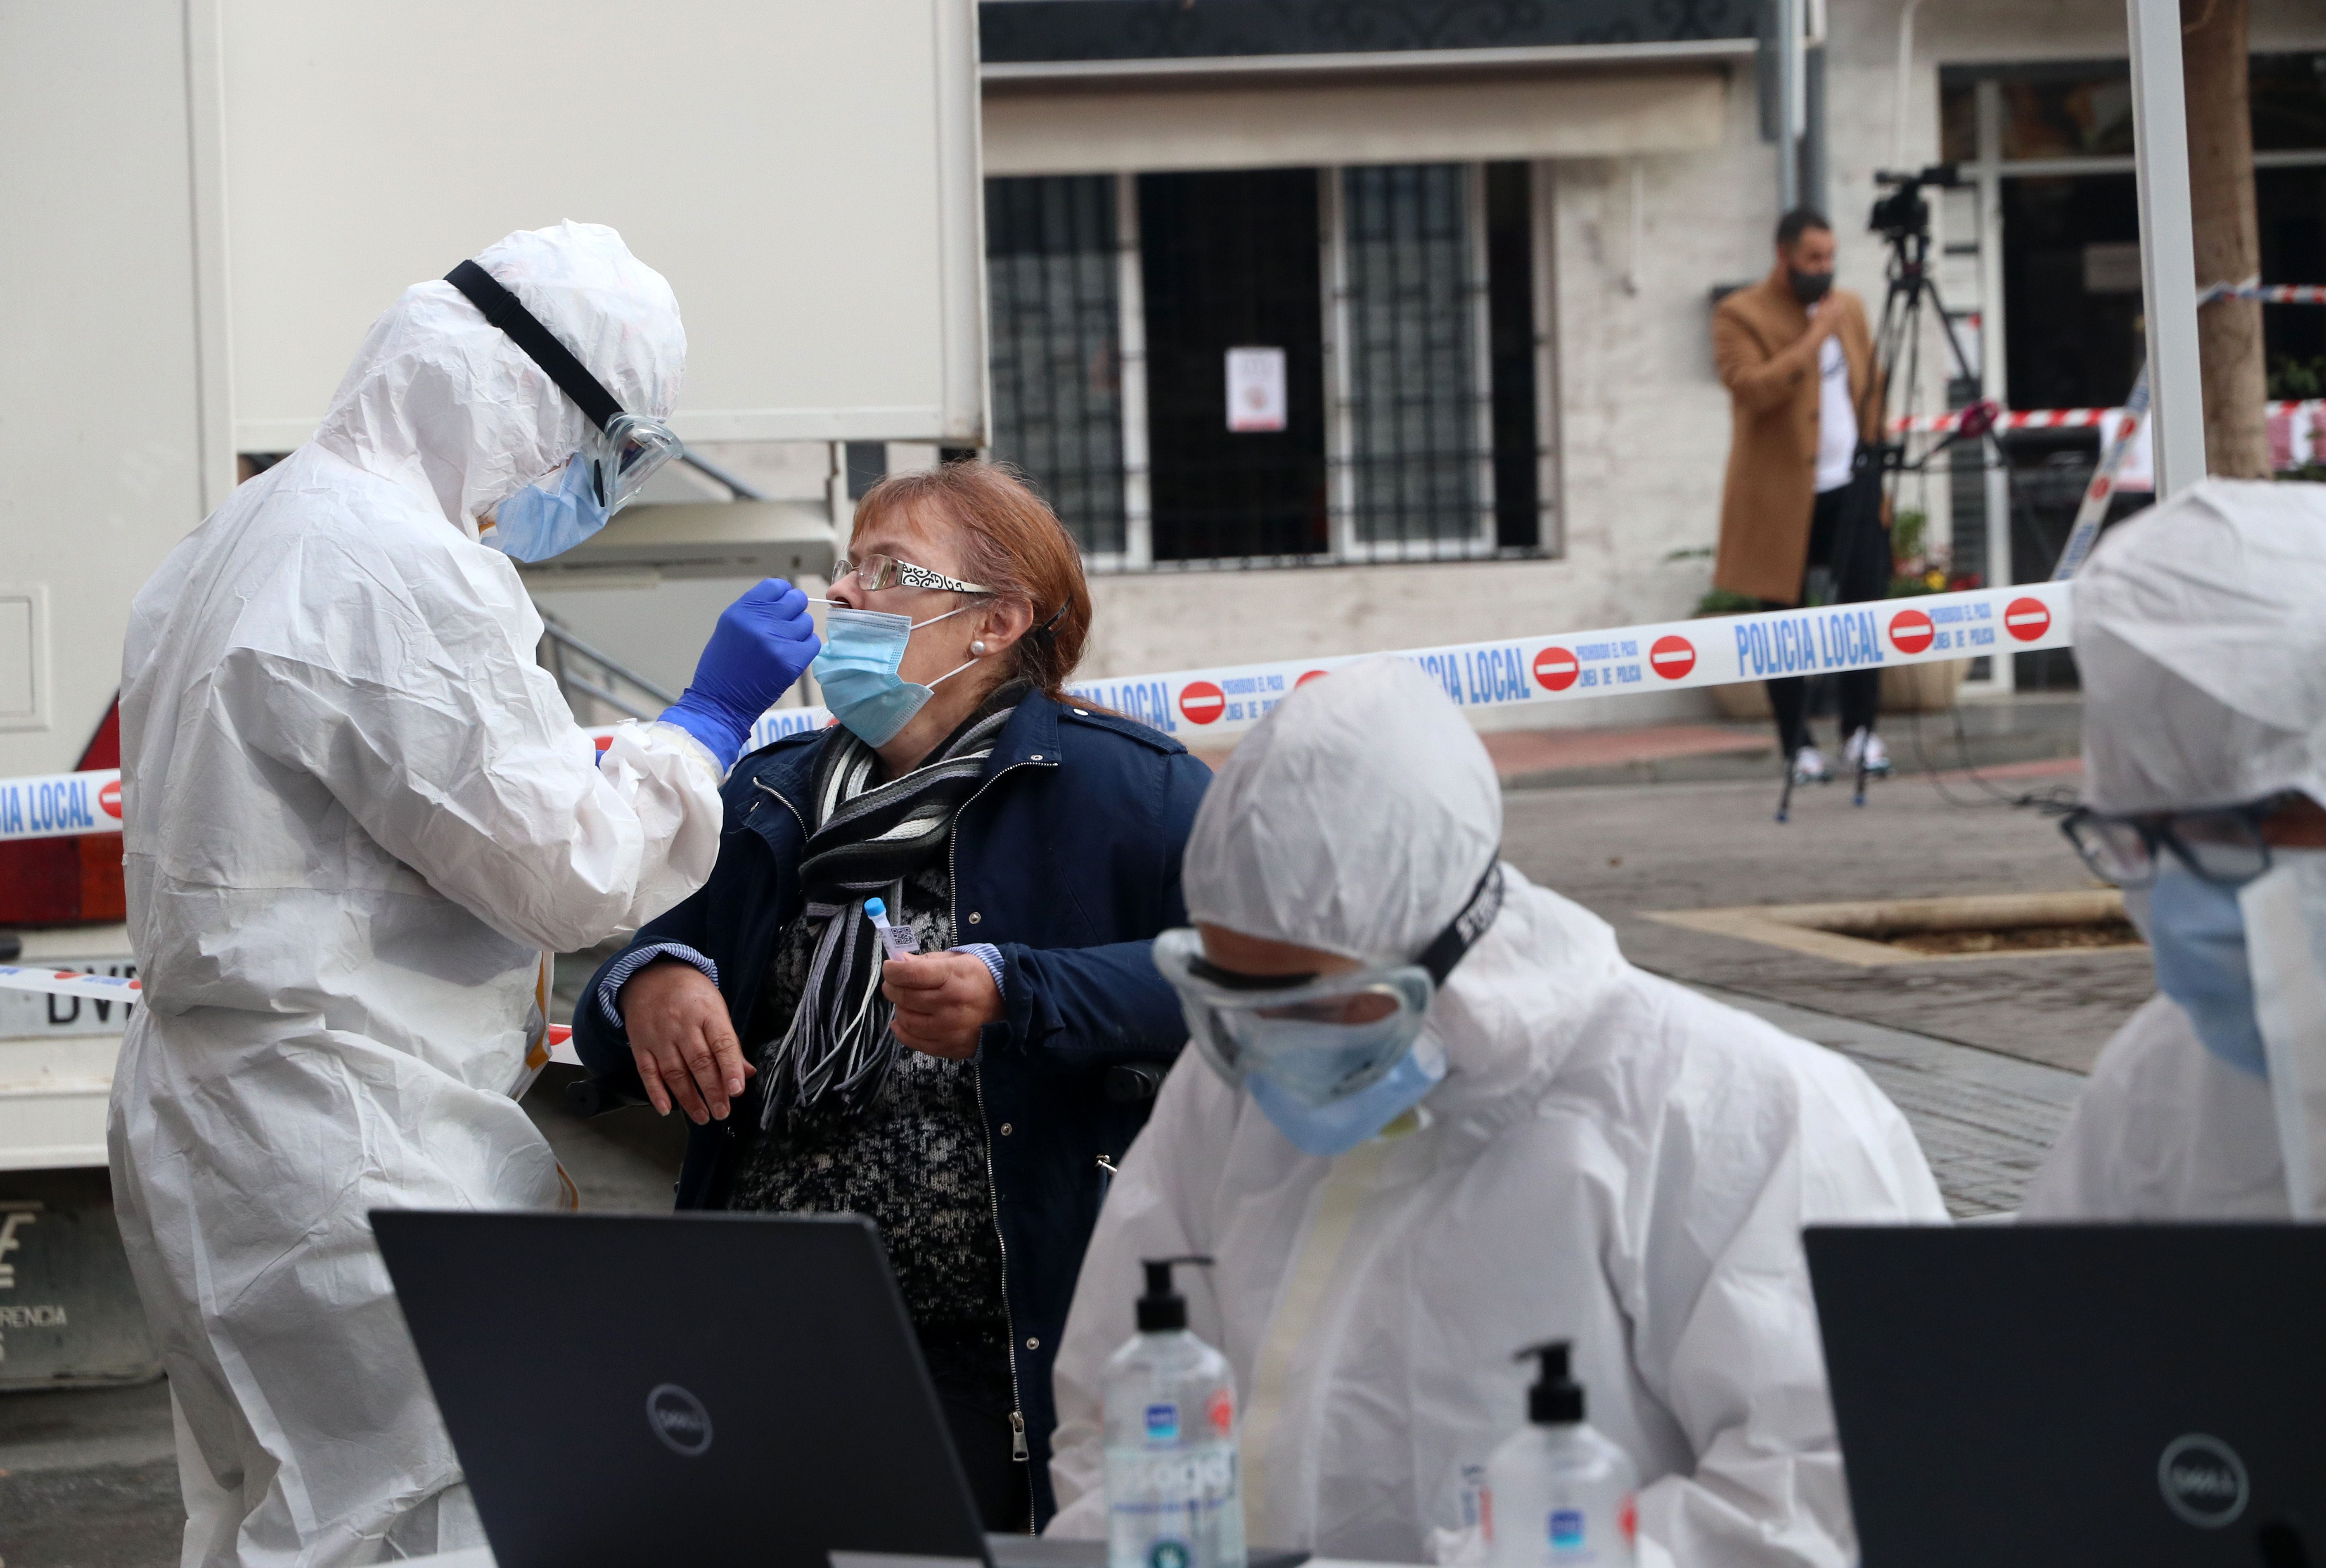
(1032, 1343)
(1081, 714)
(974, 917)
(1005, 1129)
(1036, 756)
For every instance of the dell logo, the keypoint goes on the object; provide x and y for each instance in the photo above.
(2203, 1480)
(679, 1420)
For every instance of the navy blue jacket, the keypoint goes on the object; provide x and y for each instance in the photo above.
(1068, 859)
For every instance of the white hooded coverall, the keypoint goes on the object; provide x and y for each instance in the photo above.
(2200, 633)
(1610, 1158)
(355, 813)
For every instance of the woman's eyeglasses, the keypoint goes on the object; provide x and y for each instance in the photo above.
(2223, 845)
(875, 572)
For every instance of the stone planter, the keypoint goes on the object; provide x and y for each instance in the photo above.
(1743, 702)
(1905, 688)
(1923, 688)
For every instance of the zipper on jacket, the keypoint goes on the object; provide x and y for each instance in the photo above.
(772, 793)
(1019, 1449)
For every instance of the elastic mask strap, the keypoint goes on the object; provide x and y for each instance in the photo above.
(933, 620)
(504, 310)
(1460, 936)
(949, 674)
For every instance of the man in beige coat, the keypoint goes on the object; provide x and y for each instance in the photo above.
(1797, 357)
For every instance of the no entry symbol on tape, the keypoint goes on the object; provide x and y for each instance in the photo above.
(1910, 631)
(2027, 618)
(1202, 702)
(1556, 668)
(1672, 657)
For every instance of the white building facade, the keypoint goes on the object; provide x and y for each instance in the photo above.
(1480, 245)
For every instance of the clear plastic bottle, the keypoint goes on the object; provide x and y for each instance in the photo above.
(895, 941)
(1561, 1492)
(1174, 1492)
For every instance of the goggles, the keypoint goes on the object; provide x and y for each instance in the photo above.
(624, 450)
(1318, 1038)
(2223, 845)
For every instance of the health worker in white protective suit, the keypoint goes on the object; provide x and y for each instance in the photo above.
(1435, 1117)
(2200, 633)
(356, 815)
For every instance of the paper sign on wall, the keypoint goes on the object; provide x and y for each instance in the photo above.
(1255, 389)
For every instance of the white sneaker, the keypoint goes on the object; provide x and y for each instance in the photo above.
(1868, 746)
(1809, 767)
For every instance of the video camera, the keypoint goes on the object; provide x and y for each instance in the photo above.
(1903, 214)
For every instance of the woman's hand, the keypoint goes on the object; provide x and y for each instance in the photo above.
(684, 1046)
(942, 1000)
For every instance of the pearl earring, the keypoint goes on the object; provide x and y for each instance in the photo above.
(977, 647)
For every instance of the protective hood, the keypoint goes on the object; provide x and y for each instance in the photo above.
(2200, 633)
(445, 402)
(1356, 819)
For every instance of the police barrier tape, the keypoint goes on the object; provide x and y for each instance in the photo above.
(120, 988)
(1202, 706)
(1984, 416)
(70, 983)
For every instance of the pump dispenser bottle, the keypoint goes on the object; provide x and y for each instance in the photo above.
(1560, 1492)
(1174, 1497)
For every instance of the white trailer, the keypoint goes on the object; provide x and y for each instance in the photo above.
(209, 202)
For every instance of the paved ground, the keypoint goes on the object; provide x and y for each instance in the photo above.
(1625, 851)
(1982, 1055)
(88, 1479)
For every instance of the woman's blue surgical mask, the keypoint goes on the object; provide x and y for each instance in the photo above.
(2197, 934)
(857, 671)
(535, 524)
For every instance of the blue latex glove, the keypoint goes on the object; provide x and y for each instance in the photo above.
(758, 648)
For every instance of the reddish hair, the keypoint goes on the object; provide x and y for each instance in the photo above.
(1013, 544)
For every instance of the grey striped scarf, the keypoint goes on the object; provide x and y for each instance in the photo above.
(865, 839)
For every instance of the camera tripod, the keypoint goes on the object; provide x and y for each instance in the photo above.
(1902, 219)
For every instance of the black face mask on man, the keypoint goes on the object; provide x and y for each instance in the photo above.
(1808, 288)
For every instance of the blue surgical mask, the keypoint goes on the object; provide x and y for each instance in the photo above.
(857, 671)
(2197, 934)
(1339, 1126)
(535, 524)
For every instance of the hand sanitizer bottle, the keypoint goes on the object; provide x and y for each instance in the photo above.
(1559, 1491)
(1174, 1497)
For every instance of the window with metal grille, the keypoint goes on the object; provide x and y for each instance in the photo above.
(1051, 260)
(1416, 442)
(1399, 303)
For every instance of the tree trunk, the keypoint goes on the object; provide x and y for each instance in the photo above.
(2229, 235)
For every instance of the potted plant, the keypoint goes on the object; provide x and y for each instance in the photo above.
(1919, 566)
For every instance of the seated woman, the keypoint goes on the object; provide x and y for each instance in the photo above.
(958, 1099)
(1435, 1117)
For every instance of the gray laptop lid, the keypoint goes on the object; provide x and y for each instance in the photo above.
(707, 1389)
(2063, 1395)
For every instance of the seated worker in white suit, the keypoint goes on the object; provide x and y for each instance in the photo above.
(1451, 1121)
(2200, 632)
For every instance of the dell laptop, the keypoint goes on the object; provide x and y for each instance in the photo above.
(698, 1388)
(2056, 1396)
